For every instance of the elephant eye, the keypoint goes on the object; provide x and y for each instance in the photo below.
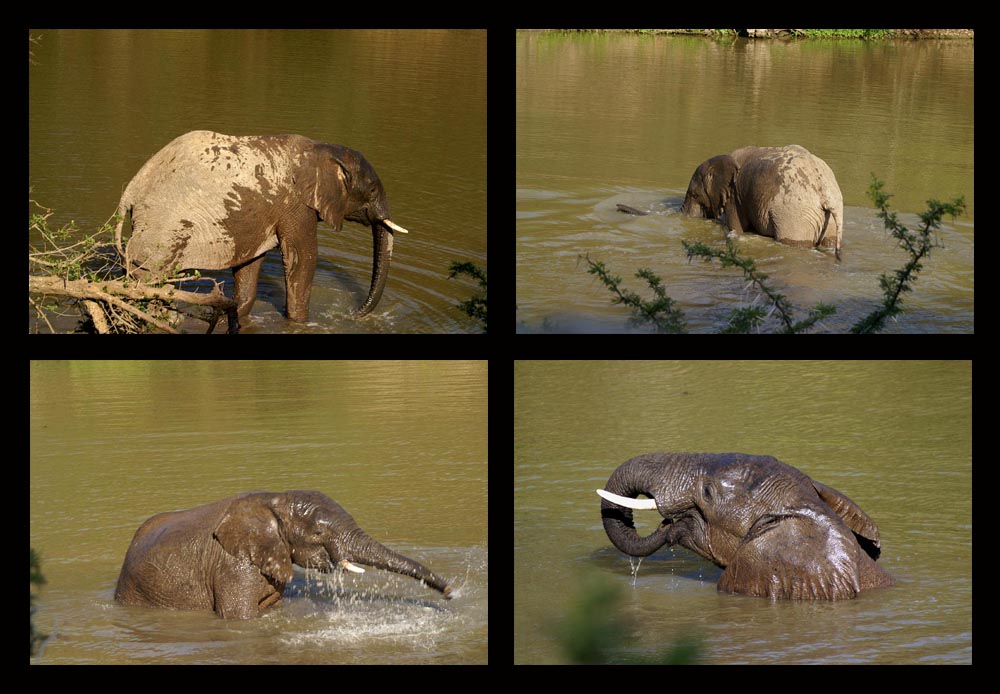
(707, 492)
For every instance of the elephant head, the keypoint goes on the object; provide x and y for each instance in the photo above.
(312, 531)
(776, 532)
(344, 185)
(711, 194)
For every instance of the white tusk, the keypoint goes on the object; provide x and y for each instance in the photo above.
(351, 567)
(395, 227)
(641, 504)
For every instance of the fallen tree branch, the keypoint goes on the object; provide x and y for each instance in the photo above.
(109, 292)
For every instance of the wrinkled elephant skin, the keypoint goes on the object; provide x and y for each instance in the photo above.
(209, 201)
(775, 531)
(235, 556)
(783, 192)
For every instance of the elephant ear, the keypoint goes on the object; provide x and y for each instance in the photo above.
(803, 554)
(249, 531)
(861, 525)
(323, 179)
(723, 187)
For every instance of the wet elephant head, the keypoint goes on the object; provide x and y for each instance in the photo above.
(777, 532)
(346, 187)
(711, 194)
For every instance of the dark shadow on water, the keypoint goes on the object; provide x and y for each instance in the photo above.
(676, 562)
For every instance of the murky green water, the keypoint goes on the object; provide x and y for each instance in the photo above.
(113, 443)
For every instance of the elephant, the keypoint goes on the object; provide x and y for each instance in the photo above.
(784, 192)
(776, 532)
(210, 201)
(235, 556)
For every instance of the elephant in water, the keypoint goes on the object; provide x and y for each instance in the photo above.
(235, 556)
(784, 192)
(777, 533)
(209, 201)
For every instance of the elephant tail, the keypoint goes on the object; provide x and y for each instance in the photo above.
(124, 208)
(826, 225)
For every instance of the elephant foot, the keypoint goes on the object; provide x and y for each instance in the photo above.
(631, 210)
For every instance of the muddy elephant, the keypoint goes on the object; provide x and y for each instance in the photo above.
(235, 556)
(776, 532)
(209, 201)
(784, 192)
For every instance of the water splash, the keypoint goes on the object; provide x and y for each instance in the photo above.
(634, 563)
(382, 613)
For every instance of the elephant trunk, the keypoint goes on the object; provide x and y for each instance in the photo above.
(364, 549)
(382, 236)
(691, 208)
(642, 475)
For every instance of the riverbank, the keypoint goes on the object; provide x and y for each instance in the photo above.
(869, 34)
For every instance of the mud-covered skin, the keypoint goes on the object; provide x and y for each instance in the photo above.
(784, 192)
(209, 201)
(777, 532)
(235, 556)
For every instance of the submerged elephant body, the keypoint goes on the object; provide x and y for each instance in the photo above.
(777, 532)
(235, 556)
(784, 192)
(210, 201)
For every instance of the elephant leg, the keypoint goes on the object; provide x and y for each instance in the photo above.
(239, 598)
(245, 277)
(298, 251)
(733, 216)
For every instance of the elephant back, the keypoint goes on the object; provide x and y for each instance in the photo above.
(188, 198)
(790, 194)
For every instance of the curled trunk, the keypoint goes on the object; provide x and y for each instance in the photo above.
(629, 480)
